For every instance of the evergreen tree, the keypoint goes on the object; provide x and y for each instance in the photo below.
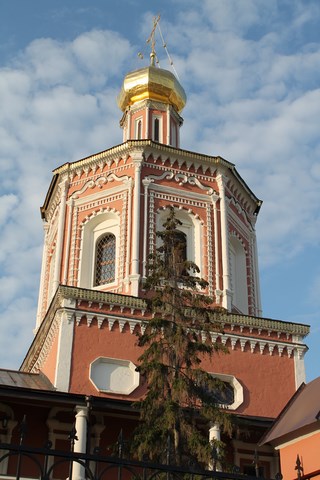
(180, 402)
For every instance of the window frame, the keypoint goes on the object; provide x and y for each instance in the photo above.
(138, 123)
(99, 225)
(96, 265)
(159, 119)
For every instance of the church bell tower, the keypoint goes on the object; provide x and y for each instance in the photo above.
(101, 215)
(102, 212)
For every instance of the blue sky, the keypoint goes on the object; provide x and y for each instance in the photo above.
(251, 71)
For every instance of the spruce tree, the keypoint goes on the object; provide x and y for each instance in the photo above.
(180, 403)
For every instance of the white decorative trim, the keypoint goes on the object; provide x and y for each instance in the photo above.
(237, 388)
(299, 367)
(226, 300)
(114, 375)
(255, 345)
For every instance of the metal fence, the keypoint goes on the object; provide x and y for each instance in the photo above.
(44, 462)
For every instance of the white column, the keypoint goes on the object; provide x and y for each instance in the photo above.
(134, 277)
(78, 471)
(224, 243)
(215, 435)
(59, 244)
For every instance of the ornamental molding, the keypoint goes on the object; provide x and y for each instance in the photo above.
(178, 163)
(181, 179)
(99, 182)
(178, 192)
(105, 300)
(93, 175)
(248, 219)
(232, 340)
(100, 203)
(175, 198)
(240, 196)
(180, 208)
(96, 213)
(235, 234)
(150, 148)
(46, 346)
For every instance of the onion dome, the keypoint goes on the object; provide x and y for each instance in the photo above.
(151, 83)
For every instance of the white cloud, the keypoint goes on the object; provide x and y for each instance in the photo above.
(7, 205)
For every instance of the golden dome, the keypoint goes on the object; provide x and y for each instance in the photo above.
(151, 83)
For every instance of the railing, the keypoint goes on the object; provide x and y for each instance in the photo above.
(43, 462)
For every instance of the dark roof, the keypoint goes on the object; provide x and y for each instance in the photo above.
(34, 381)
(300, 413)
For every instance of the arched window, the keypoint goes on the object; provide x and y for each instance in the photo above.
(156, 130)
(139, 130)
(105, 262)
(190, 235)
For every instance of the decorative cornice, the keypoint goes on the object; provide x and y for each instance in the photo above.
(66, 296)
(233, 340)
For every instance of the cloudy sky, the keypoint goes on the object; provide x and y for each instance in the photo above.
(251, 71)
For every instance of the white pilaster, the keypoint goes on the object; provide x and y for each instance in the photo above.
(168, 125)
(221, 179)
(134, 277)
(64, 354)
(147, 115)
(59, 245)
(129, 226)
(215, 251)
(299, 367)
(66, 263)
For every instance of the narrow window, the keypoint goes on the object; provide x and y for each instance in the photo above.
(105, 260)
(173, 134)
(156, 129)
(139, 130)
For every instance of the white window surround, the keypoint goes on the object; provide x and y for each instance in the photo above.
(114, 375)
(92, 232)
(136, 128)
(191, 227)
(157, 117)
(237, 387)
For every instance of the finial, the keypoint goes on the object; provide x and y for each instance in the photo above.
(152, 40)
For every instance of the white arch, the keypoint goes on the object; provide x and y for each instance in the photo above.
(93, 229)
(191, 227)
